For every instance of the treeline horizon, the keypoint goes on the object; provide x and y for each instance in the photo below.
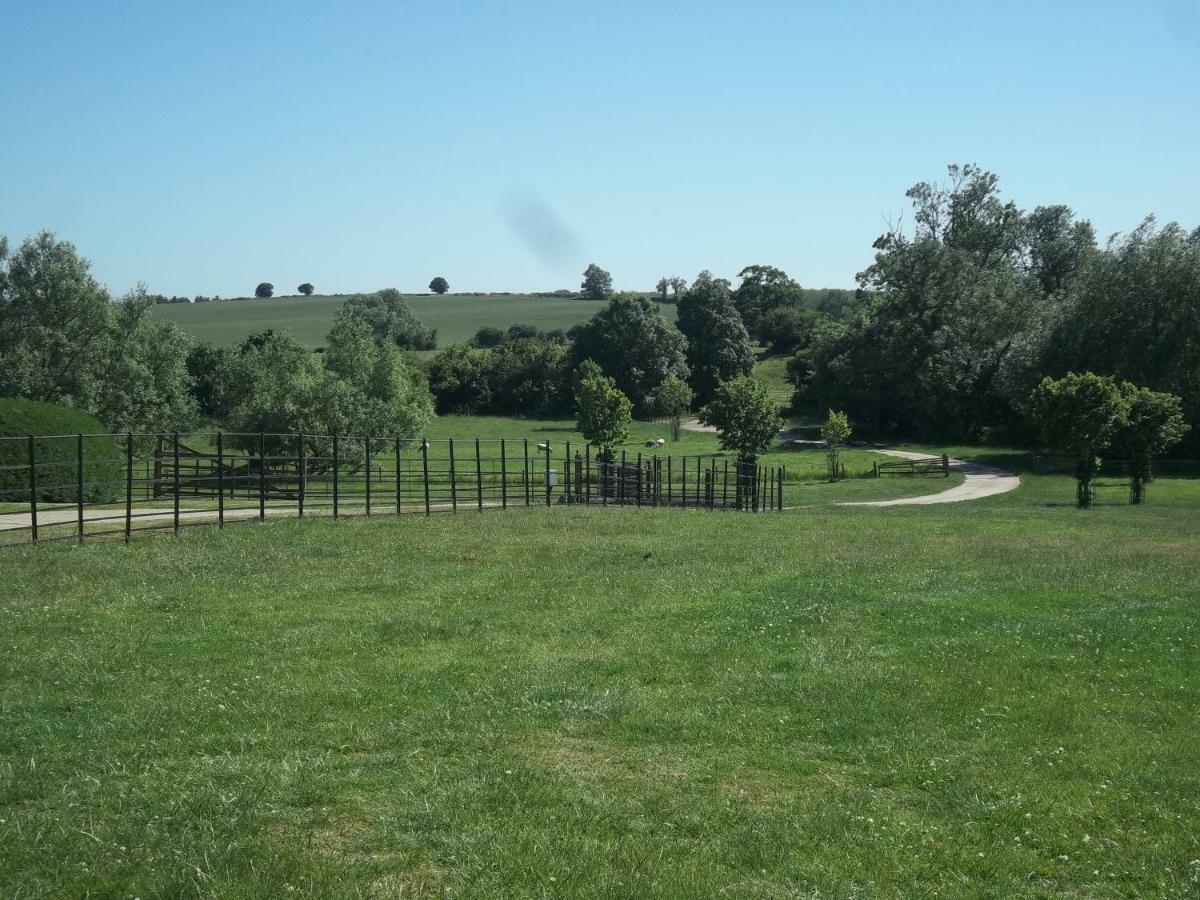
(954, 323)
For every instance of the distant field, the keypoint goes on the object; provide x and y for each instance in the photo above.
(455, 316)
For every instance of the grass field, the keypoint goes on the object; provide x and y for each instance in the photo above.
(455, 316)
(991, 699)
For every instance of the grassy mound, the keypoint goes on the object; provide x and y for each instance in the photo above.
(56, 453)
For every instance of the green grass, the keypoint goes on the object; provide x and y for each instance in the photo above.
(455, 316)
(990, 699)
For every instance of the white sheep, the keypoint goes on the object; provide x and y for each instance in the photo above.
(660, 443)
(544, 446)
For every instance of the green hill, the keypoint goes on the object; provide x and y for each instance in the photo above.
(455, 316)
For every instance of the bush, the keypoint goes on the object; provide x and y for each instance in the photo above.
(103, 467)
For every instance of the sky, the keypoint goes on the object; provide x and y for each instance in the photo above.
(203, 148)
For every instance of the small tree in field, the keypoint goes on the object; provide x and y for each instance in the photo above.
(306, 289)
(747, 420)
(672, 400)
(835, 431)
(1153, 424)
(603, 413)
(264, 289)
(1081, 415)
(439, 285)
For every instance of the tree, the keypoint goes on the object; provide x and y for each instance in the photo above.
(951, 319)
(210, 368)
(669, 289)
(460, 380)
(488, 336)
(632, 343)
(718, 347)
(306, 289)
(745, 416)
(1153, 424)
(146, 386)
(1080, 414)
(390, 319)
(763, 288)
(597, 284)
(835, 431)
(1131, 313)
(785, 329)
(264, 289)
(54, 323)
(603, 413)
(439, 285)
(673, 399)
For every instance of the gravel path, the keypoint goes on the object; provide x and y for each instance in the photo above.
(980, 481)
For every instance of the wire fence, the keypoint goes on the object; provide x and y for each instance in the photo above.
(75, 487)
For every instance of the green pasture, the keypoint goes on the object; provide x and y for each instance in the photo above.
(997, 698)
(455, 316)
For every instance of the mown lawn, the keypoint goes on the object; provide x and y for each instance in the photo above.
(998, 698)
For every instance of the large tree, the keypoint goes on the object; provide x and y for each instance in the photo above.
(597, 284)
(55, 323)
(1134, 313)
(762, 289)
(718, 347)
(954, 314)
(634, 345)
(390, 318)
(146, 385)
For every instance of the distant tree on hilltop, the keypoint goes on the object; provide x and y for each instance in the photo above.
(306, 289)
(264, 289)
(597, 284)
(439, 285)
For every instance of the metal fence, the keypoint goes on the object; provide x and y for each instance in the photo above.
(73, 487)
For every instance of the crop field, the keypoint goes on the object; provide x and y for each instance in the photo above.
(455, 316)
(996, 698)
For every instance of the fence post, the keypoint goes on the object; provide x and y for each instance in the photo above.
(79, 484)
(335, 476)
(587, 474)
(525, 474)
(425, 470)
(367, 457)
(567, 472)
(699, 496)
(548, 454)
(782, 471)
(637, 485)
(302, 473)
(503, 474)
(946, 465)
(478, 477)
(453, 480)
(621, 479)
(398, 471)
(33, 517)
(175, 459)
(220, 481)
(262, 477)
(128, 485)
(670, 485)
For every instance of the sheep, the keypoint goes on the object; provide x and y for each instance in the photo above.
(651, 442)
(544, 446)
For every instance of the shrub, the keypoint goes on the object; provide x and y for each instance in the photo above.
(103, 468)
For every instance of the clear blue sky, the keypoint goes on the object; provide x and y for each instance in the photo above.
(204, 147)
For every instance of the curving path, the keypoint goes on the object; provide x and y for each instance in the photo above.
(979, 481)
